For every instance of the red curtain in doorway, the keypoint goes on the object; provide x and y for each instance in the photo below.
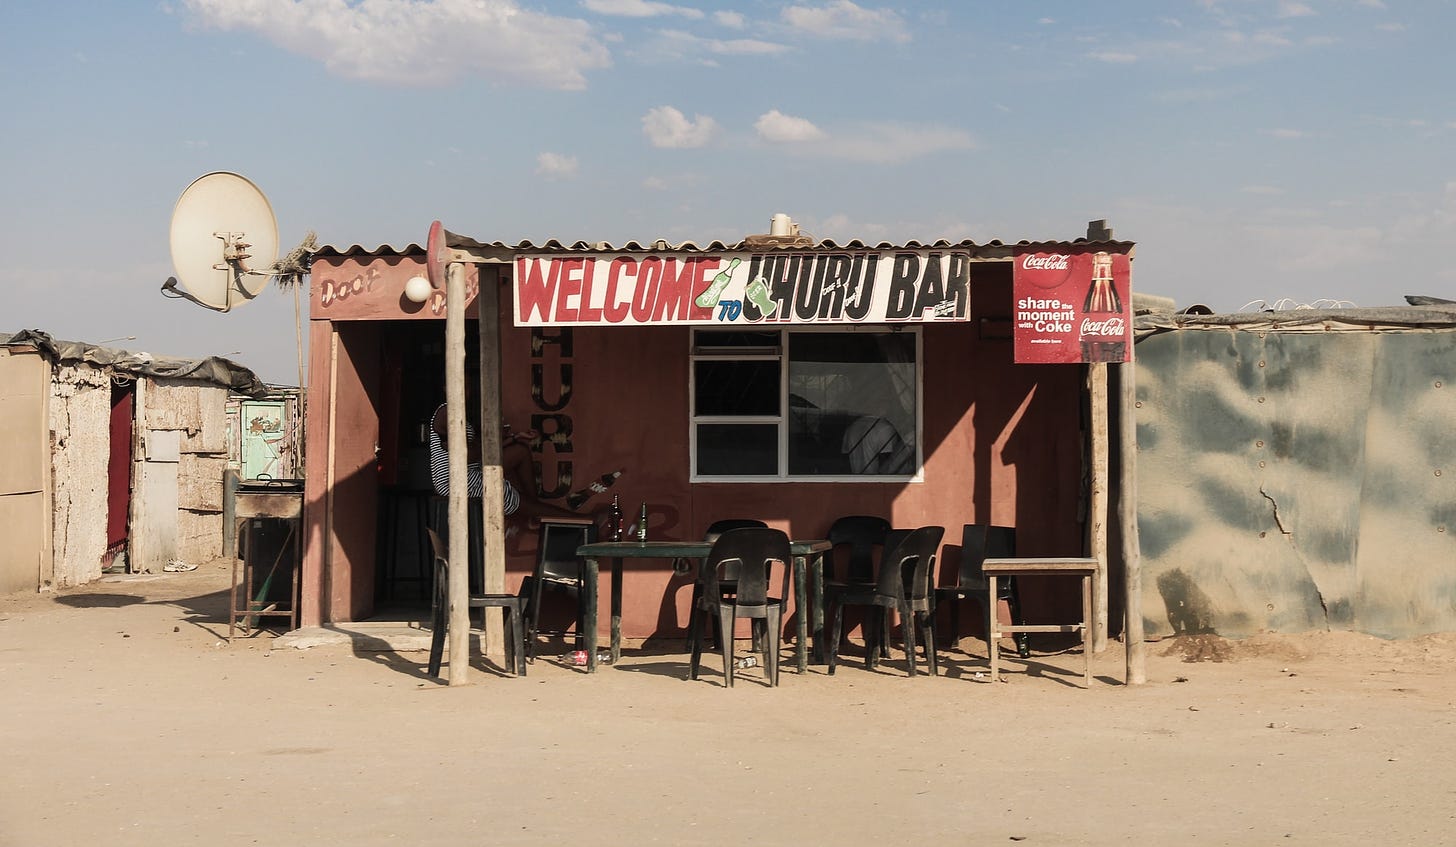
(118, 470)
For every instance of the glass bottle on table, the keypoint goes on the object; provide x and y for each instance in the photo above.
(642, 523)
(614, 519)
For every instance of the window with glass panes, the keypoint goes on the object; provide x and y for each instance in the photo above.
(781, 404)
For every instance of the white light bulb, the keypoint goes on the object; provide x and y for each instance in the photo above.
(418, 289)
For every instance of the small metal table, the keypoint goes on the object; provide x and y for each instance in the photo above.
(1046, 566)
(804, 553)
(254, 502)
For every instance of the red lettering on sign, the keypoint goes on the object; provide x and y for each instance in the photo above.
(649, 277)
(569, 285)
(588, 312)
(621, 267)
(534, 292)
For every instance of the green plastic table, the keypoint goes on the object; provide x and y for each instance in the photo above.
(808, 556)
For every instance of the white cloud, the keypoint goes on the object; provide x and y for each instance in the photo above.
(426, 43)
(890, 143)
(779, 127)
(1270, 38)
(1290, 9)
(665, 126)
(639, 9)
(731, 20)
(556, 165)
(1285, 133)
(1113, 57)
(842, 228)
(1262, 190)
(844, 20)
(672, 182)
(678, 44)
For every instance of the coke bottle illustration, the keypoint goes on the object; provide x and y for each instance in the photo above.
(1103, 333)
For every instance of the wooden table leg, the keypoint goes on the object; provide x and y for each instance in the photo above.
(993, 629)
(816, 607)
(801, 611)
(1086, 630)
(589, 612)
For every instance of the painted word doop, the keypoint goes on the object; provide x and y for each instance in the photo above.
(775, 287)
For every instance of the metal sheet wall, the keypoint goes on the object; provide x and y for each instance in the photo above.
(1296, 480)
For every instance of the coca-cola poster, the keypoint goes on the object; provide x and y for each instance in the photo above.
(1071, 306)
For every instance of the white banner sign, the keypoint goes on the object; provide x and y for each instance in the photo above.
(776, 287)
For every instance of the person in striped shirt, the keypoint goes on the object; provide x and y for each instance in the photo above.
(519, 490)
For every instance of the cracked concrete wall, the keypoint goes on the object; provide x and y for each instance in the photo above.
(1297, 480)
(80, 416)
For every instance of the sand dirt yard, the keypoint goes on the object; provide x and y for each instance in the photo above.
(128, 720)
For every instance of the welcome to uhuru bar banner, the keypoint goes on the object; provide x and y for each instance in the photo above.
(740, 289)
(1071, 306)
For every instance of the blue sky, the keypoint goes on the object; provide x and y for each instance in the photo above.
(1256, 150)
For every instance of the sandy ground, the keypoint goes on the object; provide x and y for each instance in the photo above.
(127, 720)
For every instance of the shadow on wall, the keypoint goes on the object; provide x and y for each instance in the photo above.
(1190, 611)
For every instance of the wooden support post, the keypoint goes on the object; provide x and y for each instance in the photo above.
(1097, 500)
(487, 303)
(459, 508)
(1127, 506)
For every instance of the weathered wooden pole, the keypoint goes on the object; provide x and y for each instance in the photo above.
(1127, 505)
(1097, 499)
(459, 508)
(487, 302)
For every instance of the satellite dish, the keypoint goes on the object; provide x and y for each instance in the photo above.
(224, 241)
(437, 255)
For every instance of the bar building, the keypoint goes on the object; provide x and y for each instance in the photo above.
(776, 377)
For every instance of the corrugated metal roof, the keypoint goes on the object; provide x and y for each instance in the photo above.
(214, 370)
(663, 246)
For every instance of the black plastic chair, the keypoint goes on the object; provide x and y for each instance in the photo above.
(710, 535)
(717, 528)
(513, 604)
(861, 534)
(980, 542)
(903, 584)
(864, 536)
(745, 556)
(558, 570)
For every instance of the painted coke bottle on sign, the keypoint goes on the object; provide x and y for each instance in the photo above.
(1103, 329)
(1071, 305)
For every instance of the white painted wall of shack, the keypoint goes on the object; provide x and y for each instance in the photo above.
(80, 407)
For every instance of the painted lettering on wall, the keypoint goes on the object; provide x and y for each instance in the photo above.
(370, 284)
(436, 303)
(551, 356)
(792, 287)
(336, 291)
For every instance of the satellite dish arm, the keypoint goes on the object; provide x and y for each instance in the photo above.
(170, 289)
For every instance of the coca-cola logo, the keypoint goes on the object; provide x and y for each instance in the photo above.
(1114, 327)
(1045, 262)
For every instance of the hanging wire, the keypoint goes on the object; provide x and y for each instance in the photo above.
(1287, 304)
